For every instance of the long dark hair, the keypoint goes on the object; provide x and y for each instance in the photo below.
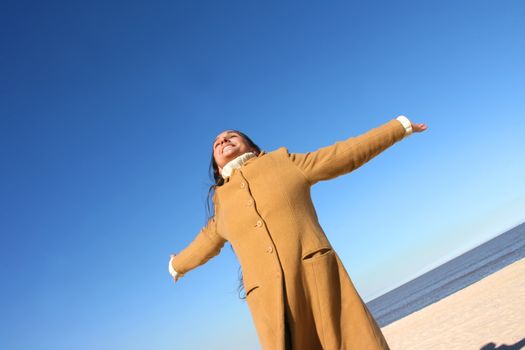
(218, 181)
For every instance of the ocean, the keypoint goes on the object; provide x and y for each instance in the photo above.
(450, 277)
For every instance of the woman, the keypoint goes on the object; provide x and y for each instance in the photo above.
(299, 293)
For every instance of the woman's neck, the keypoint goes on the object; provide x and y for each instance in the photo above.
(236, 163)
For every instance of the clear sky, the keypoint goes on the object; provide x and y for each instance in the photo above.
(108, 110)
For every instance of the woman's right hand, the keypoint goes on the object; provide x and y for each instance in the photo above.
(172, 271)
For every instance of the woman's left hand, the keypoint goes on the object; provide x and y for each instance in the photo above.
(418, 127)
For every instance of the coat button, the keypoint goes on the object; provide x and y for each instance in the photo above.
(269, 249)
(258, 223)
(243, 185)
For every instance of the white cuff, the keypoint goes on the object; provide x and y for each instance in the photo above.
(172, 270)
(406, 123)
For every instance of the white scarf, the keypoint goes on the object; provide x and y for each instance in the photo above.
(236, 163)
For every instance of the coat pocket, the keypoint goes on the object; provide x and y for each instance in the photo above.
(258, 304)
(250, 289)
(323, 290)
(317, 253)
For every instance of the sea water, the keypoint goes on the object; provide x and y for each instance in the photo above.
(450, 277)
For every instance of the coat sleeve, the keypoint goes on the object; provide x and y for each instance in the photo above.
(206, 245)
(345, 156)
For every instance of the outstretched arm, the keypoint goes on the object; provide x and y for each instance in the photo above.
(204, 246)
(345, 156)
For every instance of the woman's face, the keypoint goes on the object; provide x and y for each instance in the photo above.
(227, 146)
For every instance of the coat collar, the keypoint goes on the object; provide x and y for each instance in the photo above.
(242, 160)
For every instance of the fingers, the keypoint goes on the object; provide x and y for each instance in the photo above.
(419, 127)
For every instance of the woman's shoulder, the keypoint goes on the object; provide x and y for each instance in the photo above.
(279, 152)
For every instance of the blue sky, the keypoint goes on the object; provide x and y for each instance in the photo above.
(108, 109)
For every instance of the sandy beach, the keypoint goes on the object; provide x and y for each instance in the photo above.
(489, 314)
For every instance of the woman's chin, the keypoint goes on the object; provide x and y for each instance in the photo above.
(231, 154)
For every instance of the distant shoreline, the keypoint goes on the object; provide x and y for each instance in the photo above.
(450, 277)
(484, 315)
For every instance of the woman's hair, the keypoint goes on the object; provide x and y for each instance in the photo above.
(218, 180)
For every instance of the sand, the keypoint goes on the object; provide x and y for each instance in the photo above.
(489, 314)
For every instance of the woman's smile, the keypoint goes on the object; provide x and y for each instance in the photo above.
(227, 148)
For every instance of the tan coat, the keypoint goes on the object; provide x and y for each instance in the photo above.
(290, 270)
